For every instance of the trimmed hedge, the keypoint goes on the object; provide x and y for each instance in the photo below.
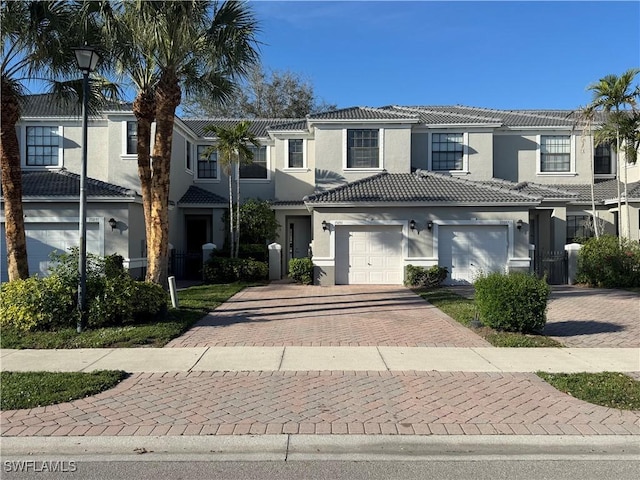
(49, 303)
(514, 302)
(425, 277)
(301, 270)
(227, 270)
(607, 262)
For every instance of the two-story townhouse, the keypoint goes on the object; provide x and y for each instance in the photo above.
(364, 191)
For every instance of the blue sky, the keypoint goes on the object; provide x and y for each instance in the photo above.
(502, 54)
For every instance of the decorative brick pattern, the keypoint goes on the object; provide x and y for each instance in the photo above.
(247, 403)
(343, 315)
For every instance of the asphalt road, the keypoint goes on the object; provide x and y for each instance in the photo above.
(511, 469)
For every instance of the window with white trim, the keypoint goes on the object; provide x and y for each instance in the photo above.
(602, 160)
(363, 148)
(579, 227)
(187, 156)
(132, 138)
(295, 153)
(257, 169)
(207, 166)
(555, 153)
(447, 151)
(43, 146)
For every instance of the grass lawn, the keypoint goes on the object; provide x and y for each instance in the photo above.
(195, 302)
(609, 389)
(38, 389)
(463, 310)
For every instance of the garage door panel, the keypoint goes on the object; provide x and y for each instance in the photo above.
(43, 238)
(374, 255)
(470, 250)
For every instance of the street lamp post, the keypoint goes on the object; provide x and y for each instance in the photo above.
(87, 59)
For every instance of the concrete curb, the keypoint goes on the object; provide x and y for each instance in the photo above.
(324, 447)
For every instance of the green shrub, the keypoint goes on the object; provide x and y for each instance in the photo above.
(605, 262)
(113, 297)
(301, 270)
(37, 304)
(425, 277)
(227, 270)
(514, 302)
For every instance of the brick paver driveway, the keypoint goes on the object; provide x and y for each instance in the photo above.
(345, 315)
(328, 402)
(594, 317)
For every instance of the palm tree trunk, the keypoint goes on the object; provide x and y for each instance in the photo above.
(167, 100)
(231, 226)
(17, 264)
(144, 110)
(238, 211)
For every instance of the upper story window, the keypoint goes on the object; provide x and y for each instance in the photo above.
(132, 138)
(208, 166)
(447, 151)
(602, 160)
(257, 169)
(43, 146)
(295, 153)
(363, 148)
(555, 153)
(187, 156)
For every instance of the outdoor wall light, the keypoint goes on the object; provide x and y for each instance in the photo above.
(429, 225)
(325, 225)
(519, 224)
(412, 224)
(113, 224)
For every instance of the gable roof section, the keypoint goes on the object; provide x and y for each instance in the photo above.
(47, 105)
(199, 196)
(419, 187)
(364, 113)
(257, 126)
(61, 183)
(547, 192)
(604, 191)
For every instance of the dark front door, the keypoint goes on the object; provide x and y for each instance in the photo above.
(198, 232)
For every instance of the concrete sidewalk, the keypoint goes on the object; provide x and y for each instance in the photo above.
(295, 358)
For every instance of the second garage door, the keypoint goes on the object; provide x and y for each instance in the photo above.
(43, 238)
(468, 250)
(369, 255)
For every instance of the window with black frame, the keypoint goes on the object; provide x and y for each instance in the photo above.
(602, 159)
(43, 146)
(363, 148)
(447, 151)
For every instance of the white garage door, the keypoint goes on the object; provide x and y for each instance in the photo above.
(43, 238)
(468, 250)
(369, 255)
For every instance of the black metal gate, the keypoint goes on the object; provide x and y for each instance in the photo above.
(553, 265)
(186, 265)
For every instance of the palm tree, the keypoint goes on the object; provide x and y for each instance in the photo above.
(585, 116)
(614, 94)
(233, 146)
(37, 40)
(199, 47)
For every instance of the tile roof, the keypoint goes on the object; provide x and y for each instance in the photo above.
(200, 195)
(258, 126)
(47, 105)
(364, 113)
(422, 187)
(602, 190)
(538, 190)
(61, 183)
